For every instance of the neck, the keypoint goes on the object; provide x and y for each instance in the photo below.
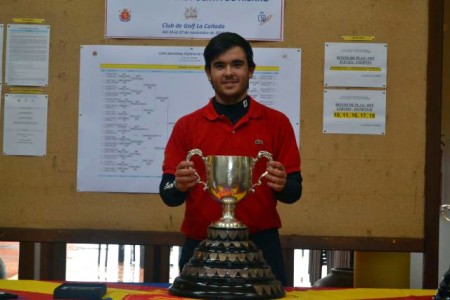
(230, 100)
(235, 111)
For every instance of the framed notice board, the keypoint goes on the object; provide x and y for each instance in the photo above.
(356, 186)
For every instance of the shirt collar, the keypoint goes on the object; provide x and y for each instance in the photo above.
(254, 111)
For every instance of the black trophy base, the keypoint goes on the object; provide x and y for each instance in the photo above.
(227, 265)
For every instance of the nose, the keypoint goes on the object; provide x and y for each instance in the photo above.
(228, 70)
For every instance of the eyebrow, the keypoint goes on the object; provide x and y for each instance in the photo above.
(218, 62)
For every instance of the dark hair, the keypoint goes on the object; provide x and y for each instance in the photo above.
(224, 42)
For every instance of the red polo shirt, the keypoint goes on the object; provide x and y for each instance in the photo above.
(262, 128)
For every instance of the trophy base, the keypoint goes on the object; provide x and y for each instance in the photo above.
(227, 223)
(227, 265)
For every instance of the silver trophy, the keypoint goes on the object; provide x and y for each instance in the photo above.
(445, 211)
(229, 179)
(227, 264)
(443, 291)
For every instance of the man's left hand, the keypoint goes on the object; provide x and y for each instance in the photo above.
(276, 176)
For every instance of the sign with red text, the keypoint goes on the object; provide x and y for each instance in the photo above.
(189, 19)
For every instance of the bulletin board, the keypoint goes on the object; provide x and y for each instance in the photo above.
(353, 185)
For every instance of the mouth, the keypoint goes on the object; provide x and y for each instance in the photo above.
(229, 83)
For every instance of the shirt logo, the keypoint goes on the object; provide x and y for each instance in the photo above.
(259, 142)
(169, 185)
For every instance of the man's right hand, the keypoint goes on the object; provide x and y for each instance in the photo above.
(185, 177)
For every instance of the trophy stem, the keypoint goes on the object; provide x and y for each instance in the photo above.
(228, 211)
(228, 220)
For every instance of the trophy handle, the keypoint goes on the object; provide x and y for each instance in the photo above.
(260, 155)
(445, 212)
(199, 153)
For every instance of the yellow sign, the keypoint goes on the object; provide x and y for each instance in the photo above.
(26, 91)
(152, 66)
(359, 69)
(358, 37)
(353, 115)
(176, 67)
(28, 20)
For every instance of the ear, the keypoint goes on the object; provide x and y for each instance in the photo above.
(208, 73)
(250, 72)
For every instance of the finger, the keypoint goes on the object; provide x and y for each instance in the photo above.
(185, 164)
(184, 183)
(185, 172)
(276, 180)
(275, 186)
(186, 180)
(276, 165)
(277, 173)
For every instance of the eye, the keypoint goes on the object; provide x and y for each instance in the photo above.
(219, 66)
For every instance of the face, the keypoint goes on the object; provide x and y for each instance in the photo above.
(229, 75)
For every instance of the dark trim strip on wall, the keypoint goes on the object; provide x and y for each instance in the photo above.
(433, 144)
(176, 239)
(157, 248)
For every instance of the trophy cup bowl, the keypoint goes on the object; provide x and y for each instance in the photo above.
(229, 179)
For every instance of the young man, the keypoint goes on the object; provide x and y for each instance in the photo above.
(233, 123)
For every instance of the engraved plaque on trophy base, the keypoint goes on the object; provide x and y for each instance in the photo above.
(227, 265)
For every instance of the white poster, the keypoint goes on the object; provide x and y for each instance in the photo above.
(188, 19)
(355, 65)
(25, 124)
(131, 96)
(1, 55)
(354, 111)
(27, 54)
